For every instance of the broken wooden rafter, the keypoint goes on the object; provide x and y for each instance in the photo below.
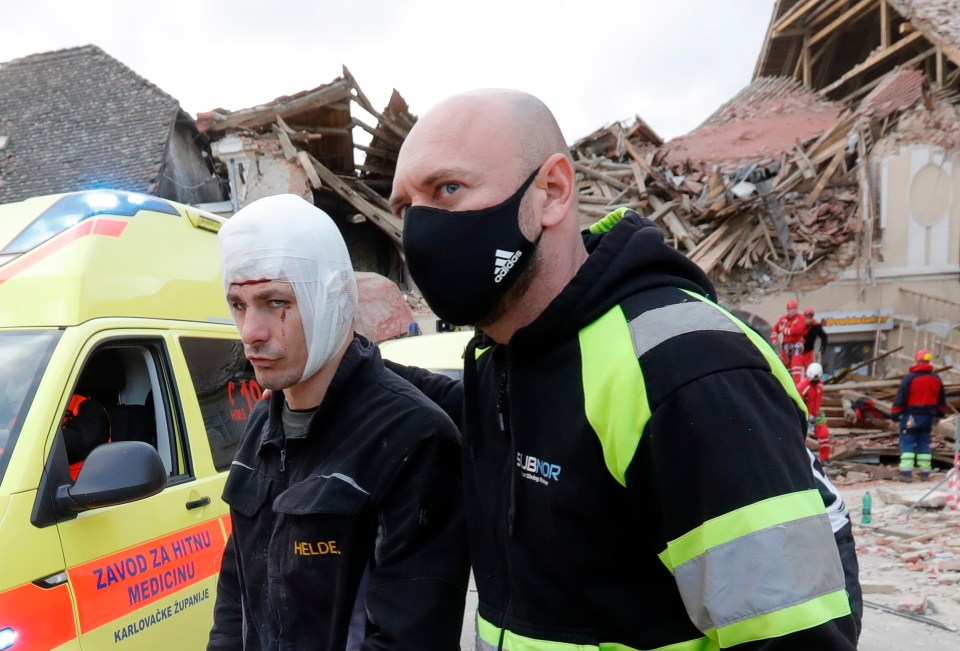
(289, 151)
(387, 222)
(871, 61)
(847, 16)
(266, 114)
(304, 159)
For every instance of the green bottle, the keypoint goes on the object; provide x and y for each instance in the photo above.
(867, 503)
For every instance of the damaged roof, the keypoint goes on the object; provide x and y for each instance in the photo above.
(844, 47)
(78, 118)
(938, 19)
(320, 116)
(767, 118)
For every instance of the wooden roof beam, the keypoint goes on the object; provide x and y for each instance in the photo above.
(849, 15)
(266, 114)
(796, 13)
(821, 14)
(872, 61)
(387, 222)
(866, 88)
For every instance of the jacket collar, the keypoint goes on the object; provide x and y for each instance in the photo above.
(361, 354)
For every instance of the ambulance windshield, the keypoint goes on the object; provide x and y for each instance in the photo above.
(23, 357)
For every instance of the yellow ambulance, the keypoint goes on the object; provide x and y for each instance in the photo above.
(123, 393)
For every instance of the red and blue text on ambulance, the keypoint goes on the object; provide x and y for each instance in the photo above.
(115, 300)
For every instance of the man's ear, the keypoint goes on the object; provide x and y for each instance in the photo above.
(558, 180)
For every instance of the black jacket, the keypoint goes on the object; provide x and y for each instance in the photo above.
(350, 536)
(635, 471)
(813, 333)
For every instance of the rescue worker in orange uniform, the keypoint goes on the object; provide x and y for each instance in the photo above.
(788, 334)
(811, 390)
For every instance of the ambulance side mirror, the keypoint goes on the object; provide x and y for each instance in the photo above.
(114, 473)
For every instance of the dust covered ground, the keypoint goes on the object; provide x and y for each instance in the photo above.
(909, 562)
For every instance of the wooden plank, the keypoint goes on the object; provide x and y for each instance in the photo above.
(792, 16)
(846, 16)
(377, 133)
(872, 61)
(304, 159)
(866, 88)
(266, 114)
(822, 14)
(377, 151)
(672, 222)
(289, 151)
(600, 176)
(825, 177)
(737, 251)
(387, 222)
(931, 534)
(839, 378)
(828, 152)
(806, 166)
(283, 125)
(360, 98)
(715, 245)
(884, 24)
(639, 159)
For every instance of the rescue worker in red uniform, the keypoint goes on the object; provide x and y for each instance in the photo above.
(788, 333)
(812, 330)
(811, 390)
(919, 404)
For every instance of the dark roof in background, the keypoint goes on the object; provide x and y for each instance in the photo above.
(77, 118)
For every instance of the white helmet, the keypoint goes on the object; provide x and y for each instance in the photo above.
(814, 371)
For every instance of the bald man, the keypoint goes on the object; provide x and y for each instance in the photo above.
(345, 499)
(634, 467)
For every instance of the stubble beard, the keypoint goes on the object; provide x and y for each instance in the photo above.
(276, 380)
(515, 294)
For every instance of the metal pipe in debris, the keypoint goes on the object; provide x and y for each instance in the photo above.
(919, 618)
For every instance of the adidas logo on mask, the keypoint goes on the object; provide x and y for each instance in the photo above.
(504, 263)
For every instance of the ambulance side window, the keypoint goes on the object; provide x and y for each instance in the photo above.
(226, 390)
(124, 386)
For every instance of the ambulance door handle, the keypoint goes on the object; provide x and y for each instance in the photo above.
(196, 504)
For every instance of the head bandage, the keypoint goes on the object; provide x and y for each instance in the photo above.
(287, 239)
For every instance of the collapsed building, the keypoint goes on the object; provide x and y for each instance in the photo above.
(305, 144)
(832, 178)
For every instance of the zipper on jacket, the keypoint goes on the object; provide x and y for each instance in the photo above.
(283, 457)
(503, 415)
(501, 392)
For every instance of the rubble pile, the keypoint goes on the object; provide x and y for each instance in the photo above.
(752, 207)
(909, 552)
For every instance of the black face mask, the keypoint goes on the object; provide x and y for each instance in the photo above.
(464, 262)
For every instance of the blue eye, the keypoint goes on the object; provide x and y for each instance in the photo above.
(450, 188)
